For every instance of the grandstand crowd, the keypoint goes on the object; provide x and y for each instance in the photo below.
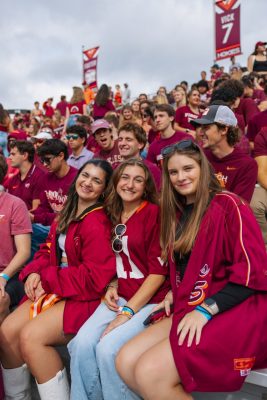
(134, 232)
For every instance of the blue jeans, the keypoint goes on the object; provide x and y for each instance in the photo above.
(93, 372)
(39, 235)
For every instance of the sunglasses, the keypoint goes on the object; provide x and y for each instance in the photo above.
(73, 136)
(47, 160)
(182, 145)
(119, 230)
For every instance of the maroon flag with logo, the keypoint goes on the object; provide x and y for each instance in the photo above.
(227, 28)
(90, 67)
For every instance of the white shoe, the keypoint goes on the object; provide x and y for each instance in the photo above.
(56, 388)
(17, 384)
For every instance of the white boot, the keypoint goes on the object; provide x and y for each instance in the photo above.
(56, 388)
(17, 383)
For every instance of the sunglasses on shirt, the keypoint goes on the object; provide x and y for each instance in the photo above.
(119, 230)
(182, 145)
(72, 136)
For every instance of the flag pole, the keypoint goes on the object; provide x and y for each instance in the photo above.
(83, 77)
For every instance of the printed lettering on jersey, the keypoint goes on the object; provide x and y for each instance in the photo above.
(190, 116)
(198, 293)
(222, 179)
(244, 365)
(56, 199)
(27, 185)
(122, 271)
(2, 218)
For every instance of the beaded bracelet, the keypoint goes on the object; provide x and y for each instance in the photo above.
(127, 314)
(204, 312)
(5, 276)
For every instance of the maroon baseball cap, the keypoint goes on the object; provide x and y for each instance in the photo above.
(99, 124)
(260, 44)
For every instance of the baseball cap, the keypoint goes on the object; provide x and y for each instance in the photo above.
(260, 44)
(216, 113)
(43, 135)
(99, 124)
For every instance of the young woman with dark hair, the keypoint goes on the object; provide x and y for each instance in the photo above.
(66, 279)
(185, 114)
(141, 280)
(103, 102)
(218, 274)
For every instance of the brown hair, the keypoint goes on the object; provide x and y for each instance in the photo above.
(114, 204)
(172, 201)
(77, 96)
(3, 168)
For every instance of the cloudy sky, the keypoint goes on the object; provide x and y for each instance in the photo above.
(146, 43)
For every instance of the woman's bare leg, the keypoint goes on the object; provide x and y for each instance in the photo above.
(9, 336)
(37, 339)
(130, 353)
(156, 375)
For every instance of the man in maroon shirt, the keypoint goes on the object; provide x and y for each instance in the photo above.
(131, 141)
(235, 170)
(259, 199)
(56, 183)
(254, 126)
(27, 184)
(163, 117)
(48, 108)
(109, 147)
(62, 106)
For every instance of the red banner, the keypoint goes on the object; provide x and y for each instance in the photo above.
(227, 28)
(90, 67)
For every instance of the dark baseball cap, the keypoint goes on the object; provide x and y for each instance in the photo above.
(216, 113)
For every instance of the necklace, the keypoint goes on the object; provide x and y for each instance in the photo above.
(125, 216)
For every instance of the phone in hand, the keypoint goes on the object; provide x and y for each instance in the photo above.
(154, 316)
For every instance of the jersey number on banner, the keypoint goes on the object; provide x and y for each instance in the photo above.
(135, 273)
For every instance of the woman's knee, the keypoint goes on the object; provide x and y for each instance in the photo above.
(125, 362)
(9, 332)
(28, 338)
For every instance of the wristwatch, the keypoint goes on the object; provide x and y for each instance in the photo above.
(211, 306)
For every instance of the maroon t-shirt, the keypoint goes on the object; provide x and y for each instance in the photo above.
(260, 144)
(154, 151)
(92, 144)
(53, 196)
(184, 115)
(155, 171)
(247, 108)
(100, 111)
(29, 188)
(236, 172)
(112, 156)
(62, 107)
(76, 108)
(152, 135)
(255, 124)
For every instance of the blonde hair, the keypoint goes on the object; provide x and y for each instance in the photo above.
(77, 96)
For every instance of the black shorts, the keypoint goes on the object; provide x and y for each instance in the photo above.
(15, 289)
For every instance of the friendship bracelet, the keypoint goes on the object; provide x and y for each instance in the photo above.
(5, 276)
(128, 315)
(204, 312)
(128, 309)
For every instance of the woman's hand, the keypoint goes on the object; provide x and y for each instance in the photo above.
(39, 291)
(191, 325)
(166, 303)
(119, 320)
(31, 285)
(111, 298)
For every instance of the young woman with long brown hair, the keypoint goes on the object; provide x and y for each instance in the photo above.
(141, 281)
(216, 255)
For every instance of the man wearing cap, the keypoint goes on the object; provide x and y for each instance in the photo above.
(259, 199)
(27, 184)
(109, 147)
(77, 138)
(235, 170)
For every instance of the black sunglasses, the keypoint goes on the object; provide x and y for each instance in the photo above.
(119, 230)
(187, 144)
(47, 160)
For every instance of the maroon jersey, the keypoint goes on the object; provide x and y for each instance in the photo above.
(247, 108)
(91, 266)
(236, 172)
(155, 171)
(112, 156)
(154, 151)
(53, 196)
(228, 248)
(260, 144)
(76, 108)
(184, 115)
(255, 124)
(29, 188)
(140, 255)
(100, 111)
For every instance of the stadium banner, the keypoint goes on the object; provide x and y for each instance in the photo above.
(227, 28)
(90, 67)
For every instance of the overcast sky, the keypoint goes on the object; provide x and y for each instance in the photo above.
(146, 43)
